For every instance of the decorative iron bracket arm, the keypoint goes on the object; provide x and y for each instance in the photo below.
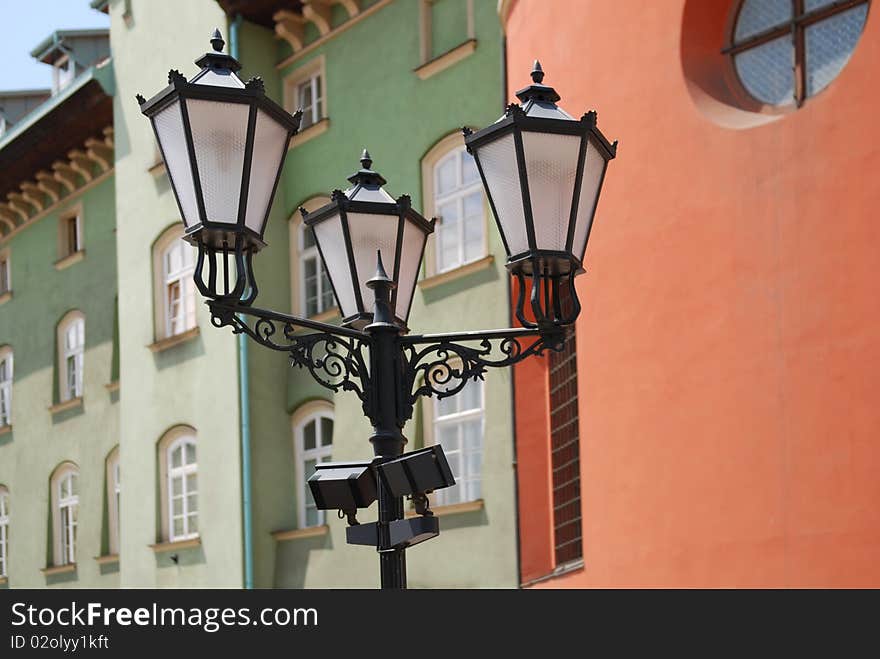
(442, 364)
(336, 357)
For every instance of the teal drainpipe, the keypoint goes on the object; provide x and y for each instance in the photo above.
(245, 402)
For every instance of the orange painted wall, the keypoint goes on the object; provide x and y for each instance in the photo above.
(729, 346)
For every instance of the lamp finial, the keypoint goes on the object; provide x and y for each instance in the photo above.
(537, 73)
(217, 42)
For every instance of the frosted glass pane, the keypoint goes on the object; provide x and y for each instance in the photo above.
(498, 161)
(218, 79)
(332, 243)
(168, 125)
(594, 167)
(810, 5)
(767, 71)
(551, 164)
(219, 133)
(270, 140)
(830, 44)
(758, 16)
(410, 261)
(370, 233)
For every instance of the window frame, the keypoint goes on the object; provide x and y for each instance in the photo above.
(313, 411)
(182, 472)
(5, 271)
(168, 240)
(796, 28)
(6, 386)
(65, 535)
(64, 392)
(309, 72)
(4, 531)
(426, 30)
(297, 229)
(434, 420)
(64, 247)
(442, 149)
(113, 500)
(168, 439)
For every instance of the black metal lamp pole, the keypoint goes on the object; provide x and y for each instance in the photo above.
(542, 171)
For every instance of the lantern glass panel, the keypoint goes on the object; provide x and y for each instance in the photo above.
(168, 124)
(331, 240)
(499, 164)
(594, 169)
(551, 166)
(371, 233)
(270, 142)
(218, 78)
(219, 132)
(410, 260)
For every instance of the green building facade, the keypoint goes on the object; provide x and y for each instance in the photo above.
(185, 402)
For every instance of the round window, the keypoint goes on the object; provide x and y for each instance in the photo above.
(785, 51)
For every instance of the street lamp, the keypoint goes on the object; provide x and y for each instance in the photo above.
(542, 171)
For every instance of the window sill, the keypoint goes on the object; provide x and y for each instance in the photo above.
(452, 509)
(567, 568)
(3, 581)
(171, 341)
(447, 59)
(298, 534)
(326, 315)
(5, 430)
(71, 404)
(5, 297)
(310, 133)
(162, 547)
(456, 273)
(70, 259)
(107, 559)
(112, 386)
(58, 569)
(157, 169)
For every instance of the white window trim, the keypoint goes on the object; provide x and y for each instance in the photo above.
(181, 472)
(312, 70)
(169, 438)
(6, 357)
(304, 415)
(170, 239)
(78, 353)
(297, 263)
(64, 250)
(65, 535)
(432, 436)
(4, 531)
(113, 492)
(452, 143)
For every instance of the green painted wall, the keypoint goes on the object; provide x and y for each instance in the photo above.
(40, 441)
(375, 100)
(194, 383)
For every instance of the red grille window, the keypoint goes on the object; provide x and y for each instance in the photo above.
(565, 446)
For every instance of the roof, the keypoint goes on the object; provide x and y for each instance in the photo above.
(61, 123)
(24, 93)
(50, 46)
(100, 5)
(259, 11)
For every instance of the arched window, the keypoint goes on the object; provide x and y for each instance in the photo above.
(310, 285)
(71, 347)
(180, 489)
(65, 506)
(4, 531)
(113, 490)
(785, 51)
(175, 291)
(5, 386)
(313, 443)
(454, 195)
(458, 426)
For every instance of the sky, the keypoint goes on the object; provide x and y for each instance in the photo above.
(26, 23)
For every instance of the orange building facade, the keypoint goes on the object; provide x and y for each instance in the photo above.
(726, 396)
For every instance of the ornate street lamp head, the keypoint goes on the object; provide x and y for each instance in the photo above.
(542, 170)
(352, 228)
(223, 142)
